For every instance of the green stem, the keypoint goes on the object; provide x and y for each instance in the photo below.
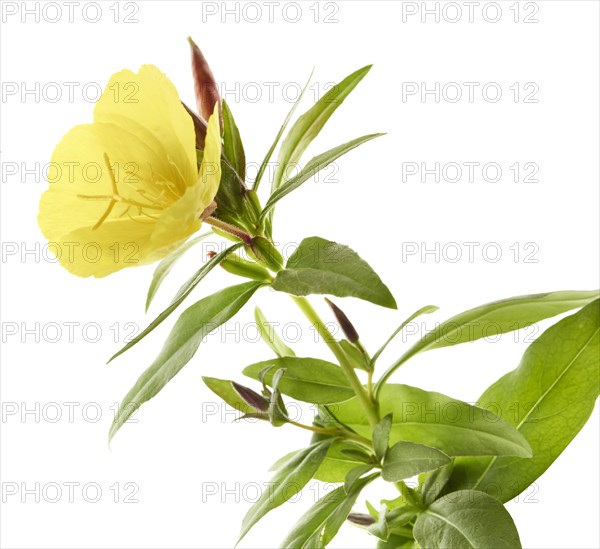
(340, 354)
(333, 432)
(407, 493)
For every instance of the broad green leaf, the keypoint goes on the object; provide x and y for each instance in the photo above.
(307, 379)
(269, 335)
(466, 520)
(312, 168)
(428, 309)
(267, 158)
(308, 126)
(319, 525)
(183, 292)
(548, 399)
(452, 426)
(286, 483)
(191, 328)
(165, 266)
(233, 147)
(407, 459)
(495, 318)
(224, 389)
(432, 484)
(319, 266)
(381, 436)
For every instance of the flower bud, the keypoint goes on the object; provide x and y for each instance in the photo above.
(250, 397)
(265, 251)
(361, 519)
(345, 324)
(239, 266)
(205, 85)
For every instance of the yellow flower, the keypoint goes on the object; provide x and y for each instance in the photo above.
(126, 190)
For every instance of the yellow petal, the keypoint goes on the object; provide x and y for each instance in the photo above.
(183, 217)
(210, 170)
(79, 170)
(148, 106)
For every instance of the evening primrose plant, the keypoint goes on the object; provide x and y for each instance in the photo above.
(144, 176)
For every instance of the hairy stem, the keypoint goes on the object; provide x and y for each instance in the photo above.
(340, 354)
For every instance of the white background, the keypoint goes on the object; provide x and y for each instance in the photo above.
(178, 453)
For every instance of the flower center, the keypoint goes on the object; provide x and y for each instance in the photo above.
(165, 193)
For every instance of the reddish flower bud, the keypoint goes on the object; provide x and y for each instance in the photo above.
(345, 324)
(207, 91)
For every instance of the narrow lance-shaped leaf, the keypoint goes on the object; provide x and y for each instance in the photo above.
(308, 126)
(270, 152)
(165, 266)
(381, 436)
(466, 520)
(269, 335)
(319, 525)
(191, 328)
(319, 266)
(548, 399)
(289, 479)
(494, 318)
(233, 148)
(314, 166)
(182, 293)
(428, 309)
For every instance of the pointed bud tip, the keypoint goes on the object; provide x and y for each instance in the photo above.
(344, 322)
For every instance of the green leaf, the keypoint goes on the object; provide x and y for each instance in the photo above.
(356, 357)
(428, 309)
(191, 328)
(407, 459)
(354, 475)
(338, 463)
(183, 292)
(312, 168)
(308, 126)
(307, 379)
(452, 426)
(289, 479)
(396, 542)
(267, 158)
(269, 335)
(433, 483)
(494, 318)
(319, 525)
(165, 266)
(233, 147)
(319, 266)
(232, 204)
(381, 528)
(224, 389)
(548, 399)
(381, 437)
(466, 519)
